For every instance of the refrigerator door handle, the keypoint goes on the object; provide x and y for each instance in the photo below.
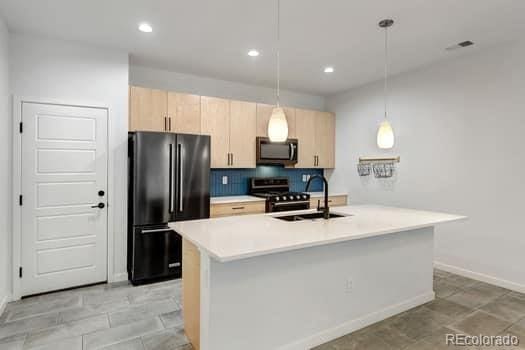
(156, 230)
(170, 190)
(181, 177)
(173, 180)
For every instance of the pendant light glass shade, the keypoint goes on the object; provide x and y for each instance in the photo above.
(278, 126)
(385, 135)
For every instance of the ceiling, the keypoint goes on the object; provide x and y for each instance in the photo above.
(211, 37)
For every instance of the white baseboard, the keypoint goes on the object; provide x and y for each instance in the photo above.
(3, 302)
(356, 324)
(481, 277)
(118, 277)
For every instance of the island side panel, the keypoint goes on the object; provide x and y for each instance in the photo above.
(303, 298)
(191, 292)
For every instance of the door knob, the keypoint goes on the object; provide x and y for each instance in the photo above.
(99, 205)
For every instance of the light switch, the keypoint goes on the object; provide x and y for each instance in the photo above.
(225, 180)
(304, 178)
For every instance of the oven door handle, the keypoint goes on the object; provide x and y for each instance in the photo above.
(291, 203)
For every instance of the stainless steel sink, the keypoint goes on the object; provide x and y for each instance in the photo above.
(308, 216)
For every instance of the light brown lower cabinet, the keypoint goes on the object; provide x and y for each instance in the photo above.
(191, 292)
(333, 201)
(240, 208)
(258, 207)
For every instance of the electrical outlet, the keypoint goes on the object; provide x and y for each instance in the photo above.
(349, 286)
(304, 178)
(225, 180)
(307, 177)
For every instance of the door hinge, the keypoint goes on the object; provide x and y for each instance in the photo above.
(21, 200)
(21, 127)
(20, 272)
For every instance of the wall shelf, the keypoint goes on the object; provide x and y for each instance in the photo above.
(382, 167)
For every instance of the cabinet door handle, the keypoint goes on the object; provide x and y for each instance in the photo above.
(228, 158)
(169, 123)
(232, 158)
(165, 123)
(237, 208)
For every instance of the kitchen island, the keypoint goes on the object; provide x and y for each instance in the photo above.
(258, 282)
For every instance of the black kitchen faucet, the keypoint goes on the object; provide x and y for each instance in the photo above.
(326, 209)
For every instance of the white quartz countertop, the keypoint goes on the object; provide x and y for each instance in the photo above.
(239, 237)
(235, 199)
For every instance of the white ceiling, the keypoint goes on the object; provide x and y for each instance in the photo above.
(211, 37)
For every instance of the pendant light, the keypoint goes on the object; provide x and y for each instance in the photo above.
(278, 126)
(385, 133)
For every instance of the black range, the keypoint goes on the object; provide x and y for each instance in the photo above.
(276, 191)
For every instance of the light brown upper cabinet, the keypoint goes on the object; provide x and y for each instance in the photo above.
(184, 111)
(316, 134)
(231, 125)
(325, 139)
(242, 134)
(264, 112)
(215, 121)
(305, 128)
(159, 110)
(148, 109)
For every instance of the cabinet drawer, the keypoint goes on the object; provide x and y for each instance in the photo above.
(228, 209)
(333, 201)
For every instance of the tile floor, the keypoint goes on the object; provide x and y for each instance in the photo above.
(461, 306)
(121, 317)
(110, 317)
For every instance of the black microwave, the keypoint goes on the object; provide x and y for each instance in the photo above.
(284, 153)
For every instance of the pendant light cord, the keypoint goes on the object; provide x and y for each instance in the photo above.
(278, 53)
(386, 69)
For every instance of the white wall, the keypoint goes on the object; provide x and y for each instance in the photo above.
(160, 79)
(5, 166)
(79, 74)
(460, 129)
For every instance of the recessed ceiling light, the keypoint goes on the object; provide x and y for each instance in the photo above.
(329, 69)
(253, 53)
(145, 28)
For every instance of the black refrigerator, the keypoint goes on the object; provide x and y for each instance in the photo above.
(169, 180)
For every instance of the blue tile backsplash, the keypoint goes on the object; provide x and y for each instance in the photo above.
(238, 179)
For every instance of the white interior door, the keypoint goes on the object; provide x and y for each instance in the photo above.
(64, 166)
